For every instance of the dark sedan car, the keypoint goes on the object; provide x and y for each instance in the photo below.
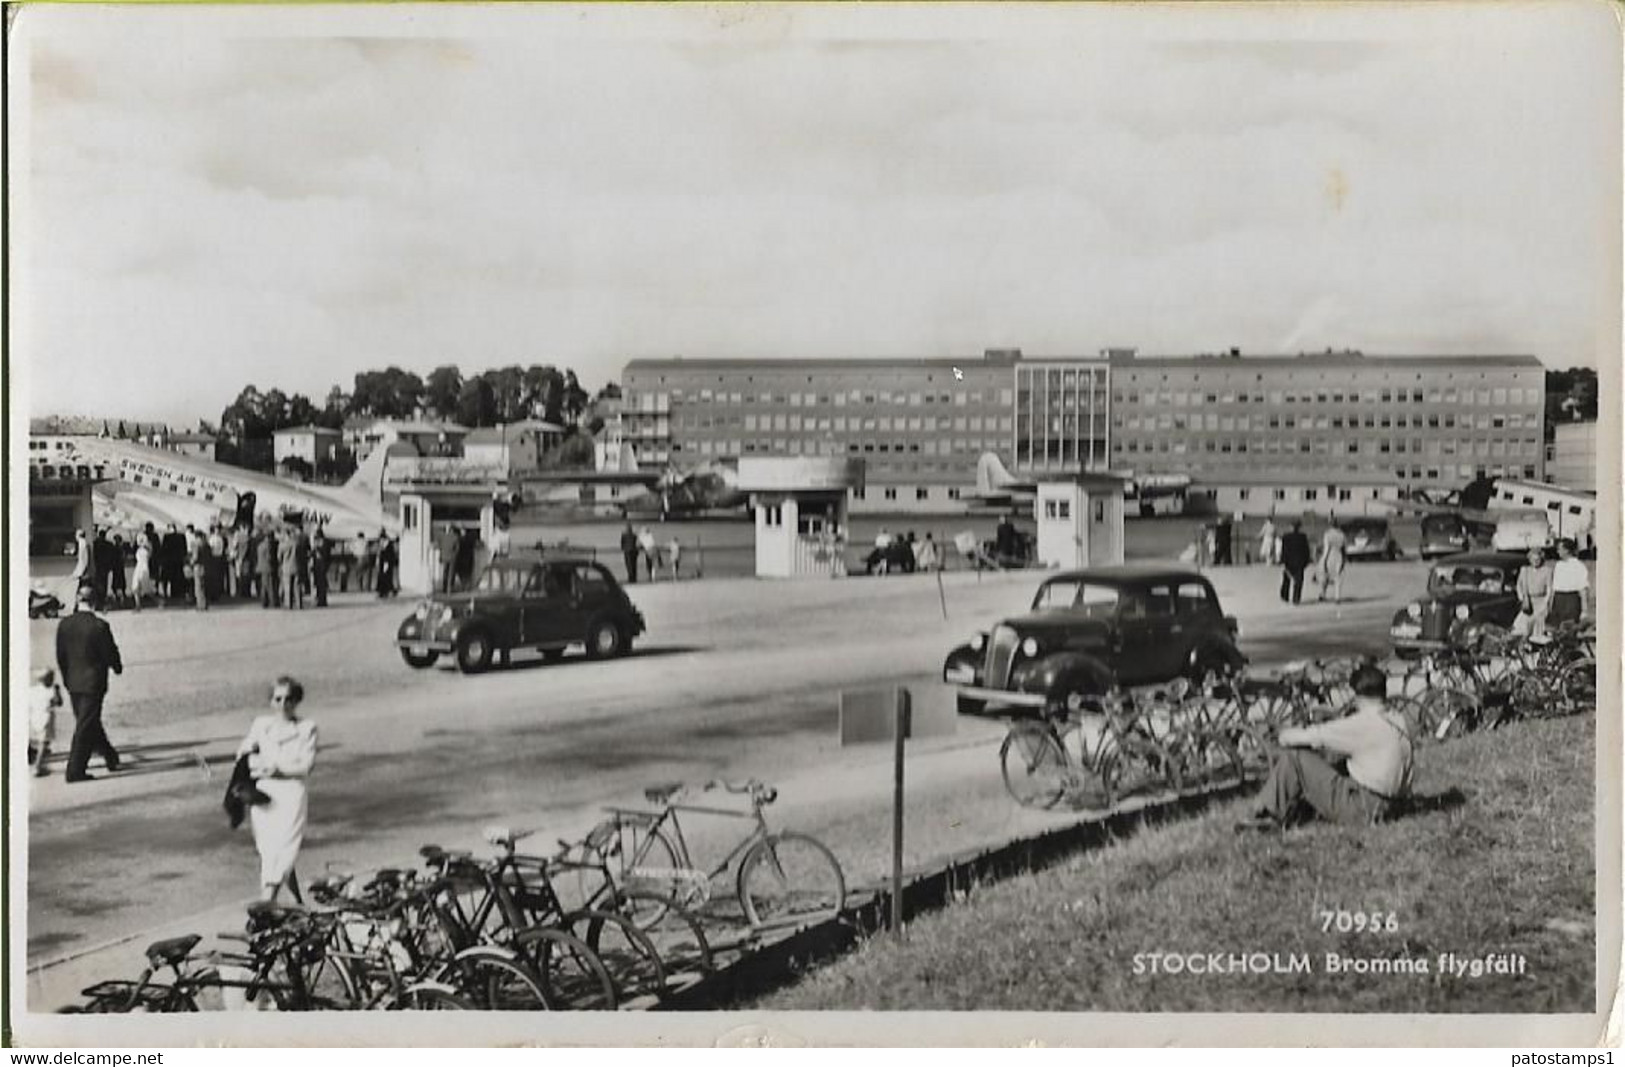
(1447, 534)
(1467, 590)
(545, 604)
(1368, 538)
(1091, 629)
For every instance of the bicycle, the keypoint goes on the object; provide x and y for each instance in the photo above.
(781, 878)
(1118, 751)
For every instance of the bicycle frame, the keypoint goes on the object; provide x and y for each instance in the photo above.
(655, 820)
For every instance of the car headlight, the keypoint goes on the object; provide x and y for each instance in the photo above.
(1463, 612)
(422, 610)
(1029, 647)
(446, 613)
(1413, 611)
(977, 641)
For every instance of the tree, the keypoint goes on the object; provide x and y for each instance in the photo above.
(575, 398)
(442, 391)
(610, 391)
(476, 403)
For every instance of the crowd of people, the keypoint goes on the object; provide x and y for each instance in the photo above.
(640, 546)
(278, 564)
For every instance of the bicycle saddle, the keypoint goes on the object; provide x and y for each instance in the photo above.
(172, 950)
(659, 794)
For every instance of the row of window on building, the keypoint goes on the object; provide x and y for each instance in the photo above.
(1496, 397)
(1512, 420)
(796, 446)
(1335, 447)
(646, 402)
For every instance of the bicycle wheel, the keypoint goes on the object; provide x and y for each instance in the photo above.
(573, 977)
(1577, 686)
(330, 986)
(1252, 747)
(1034, 765)
(493, 982)
(627, 953)
(790, 878)
(627, 847)
(430, 998)
(684, 949)
(1446, 714)
(1207, 762)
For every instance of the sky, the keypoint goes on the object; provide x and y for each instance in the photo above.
(214, 198)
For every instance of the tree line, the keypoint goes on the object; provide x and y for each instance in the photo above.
(502, 395)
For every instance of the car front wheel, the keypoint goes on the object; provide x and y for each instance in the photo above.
(604, 640)
(419, 660)
(474, 652)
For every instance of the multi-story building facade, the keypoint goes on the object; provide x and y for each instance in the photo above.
(919, 424)
(1342, 419)
(1426, 420)
(1571, 458)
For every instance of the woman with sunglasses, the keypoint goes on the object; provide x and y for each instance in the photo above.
(281, 748)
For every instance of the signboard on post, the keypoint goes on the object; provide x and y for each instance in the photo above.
(888, 715)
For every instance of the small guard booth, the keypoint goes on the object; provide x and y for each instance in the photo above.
(434, 493)
(1080, 521)
(800, 506)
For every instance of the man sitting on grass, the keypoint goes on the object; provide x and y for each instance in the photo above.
(1376, 745)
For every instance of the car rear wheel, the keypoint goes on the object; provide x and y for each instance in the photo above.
(419, 660)
(604, 640)
(474, 652)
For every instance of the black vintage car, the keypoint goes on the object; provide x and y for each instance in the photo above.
(1091, 629)
(1449, 533)
(1368, 537)
(1465, 592)
(547, 604)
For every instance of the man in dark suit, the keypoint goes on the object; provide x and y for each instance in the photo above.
(85, 652)
(1295, 557)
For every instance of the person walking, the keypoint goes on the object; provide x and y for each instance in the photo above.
(141, 578)
(629, 552)
(242, 565)
(1571, 587)
(1295, 556)
(301, 561)
(651, 552)
(447, 543)
(388, 561)
(202, 562)
(1268, 551)
(265, 556)
(320, 557)
(468, 548)
(363, 562)
(287, 565)
(44, 699)
(118, 592)
(219, 563)
(674, 553)
(85, 653)
(1221, 541)
(84, 562)
(1333, 560)
(281, 750)
(172, 564)
(925, 554)
(1374, 742)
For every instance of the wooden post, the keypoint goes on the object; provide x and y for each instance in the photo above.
(941, 596)
(897, 815)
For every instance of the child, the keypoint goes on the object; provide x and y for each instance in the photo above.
(44, 697)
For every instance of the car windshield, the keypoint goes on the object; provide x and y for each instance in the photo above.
(1088, 598)
(501, 580)
(1446, 524)
(1481, 578)
(1364, 527)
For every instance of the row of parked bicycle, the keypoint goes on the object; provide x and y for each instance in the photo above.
(1187, 738)
(618, 919)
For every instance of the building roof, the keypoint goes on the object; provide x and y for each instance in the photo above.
(1001, 359)
(514, 431)
(306, 429)
(419, 426)
(1318, 360)
(1313, 479)
(190, 438)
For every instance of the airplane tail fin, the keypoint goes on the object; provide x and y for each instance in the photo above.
(991, 476)
(366, 485)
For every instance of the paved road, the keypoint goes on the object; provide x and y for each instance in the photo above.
(736, 678)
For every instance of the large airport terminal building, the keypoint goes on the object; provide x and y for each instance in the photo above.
(1304, 432)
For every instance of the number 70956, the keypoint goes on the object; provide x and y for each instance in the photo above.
(1358, 922)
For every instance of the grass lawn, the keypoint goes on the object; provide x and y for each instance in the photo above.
(1507, 871)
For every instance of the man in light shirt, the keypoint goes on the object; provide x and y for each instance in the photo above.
(1571, 587)
(1376, 744)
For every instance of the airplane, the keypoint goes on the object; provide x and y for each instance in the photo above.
(997, 487)
(162, 487)
(709, 487)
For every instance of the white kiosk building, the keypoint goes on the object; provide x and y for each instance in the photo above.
(1080, 521)
(800, 504)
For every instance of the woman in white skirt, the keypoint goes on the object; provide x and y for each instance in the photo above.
(141, 579)
(281, 748)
